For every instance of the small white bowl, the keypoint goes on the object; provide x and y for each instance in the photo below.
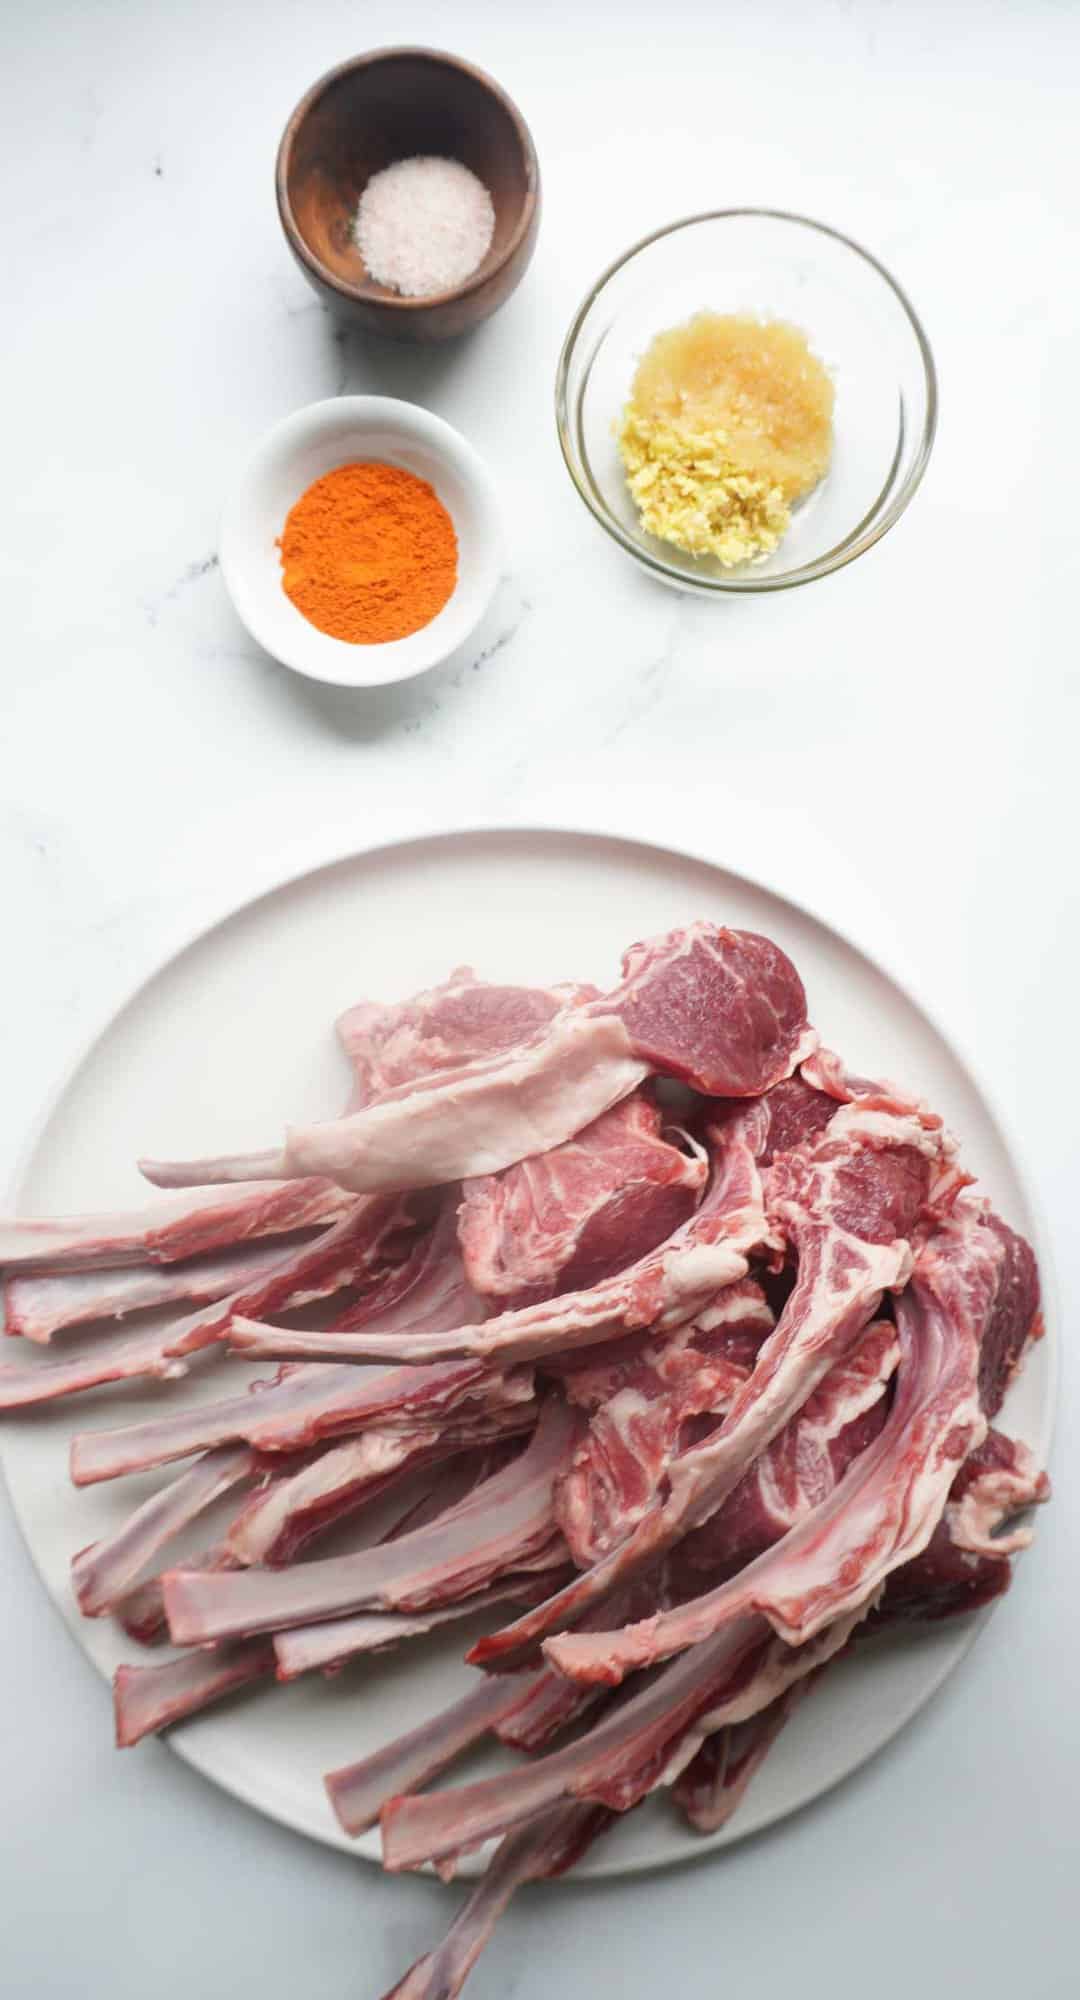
(300, 449)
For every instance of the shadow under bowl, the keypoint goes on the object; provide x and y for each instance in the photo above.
(386, 106)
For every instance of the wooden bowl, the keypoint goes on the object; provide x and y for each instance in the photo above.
(387, 106)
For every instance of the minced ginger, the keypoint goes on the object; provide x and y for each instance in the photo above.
(729, 422)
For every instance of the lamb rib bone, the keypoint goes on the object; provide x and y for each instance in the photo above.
(121, 1357)
(187, 1225)
(302, 1408)
(281, 1518)
(713, 1785)
(342, 1253)
(511, 1517)
(107, 1571)
(302, 1648)
(141, 1614)
(545, 1847)
(146, 1699)
(39, 1306)
(359, 1791)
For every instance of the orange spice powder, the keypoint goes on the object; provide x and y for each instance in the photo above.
(369, 553)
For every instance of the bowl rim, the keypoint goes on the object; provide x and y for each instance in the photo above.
(393, 301)
(335, 662)
(860, 537)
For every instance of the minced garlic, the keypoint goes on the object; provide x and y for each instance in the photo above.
(729, 421)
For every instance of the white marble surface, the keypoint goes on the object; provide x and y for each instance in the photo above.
(896, 744)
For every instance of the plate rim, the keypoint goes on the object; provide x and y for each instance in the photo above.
(189, 931)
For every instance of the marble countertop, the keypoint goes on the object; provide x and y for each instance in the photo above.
(896, 745)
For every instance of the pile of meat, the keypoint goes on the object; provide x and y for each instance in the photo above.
(692, 1346)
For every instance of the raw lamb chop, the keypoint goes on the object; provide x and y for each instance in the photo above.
(723, 1010)
(302, 1408)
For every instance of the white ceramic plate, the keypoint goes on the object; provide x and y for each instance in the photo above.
(232, 1037)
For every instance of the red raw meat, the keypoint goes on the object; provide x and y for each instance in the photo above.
(942, 1582)
(643, 1402)
(565, 1219)
(996, 1483)
(797, 1113)
(725, 1010)
(1017, 1319)
(721, 1468)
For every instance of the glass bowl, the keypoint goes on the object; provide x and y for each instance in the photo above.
(854, 316)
